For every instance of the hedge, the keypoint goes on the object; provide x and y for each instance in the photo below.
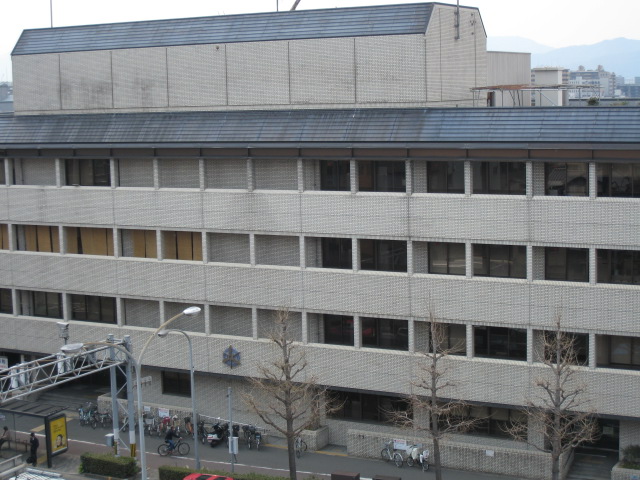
(108, 465)
(168, 472)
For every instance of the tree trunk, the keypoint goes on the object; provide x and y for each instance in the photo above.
(437, 465)
(555, 467)
(292, 458)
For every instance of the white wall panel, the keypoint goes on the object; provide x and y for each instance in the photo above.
(86, 80)
(140, 78)
(36, 80)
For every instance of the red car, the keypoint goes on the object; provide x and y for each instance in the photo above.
(205, 476)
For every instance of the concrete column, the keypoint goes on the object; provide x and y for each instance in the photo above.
(58, 168)
(409, 257)
(205, 247)
(120, 312)
(251, 181)
(66, 306)
(468, 256)
(408, 169)
(8, 171)
(353, 169)
(357, 332)
(159, 244)
(411, 334)
(162, 313)
(530, 345)
(201, 174)
(593, 266)
(252, 249)
(470, 352)
(468, 178)
(303, 255)
(592, 351)
(529, 179)
(15, 300)
(305, 327)
(355, 254)
(593, 181)
(529, 263)
(117, 244)
(13, 241)
(254, 322)
(300, 175)
(156, 173)
(113, 170)
(207, 320)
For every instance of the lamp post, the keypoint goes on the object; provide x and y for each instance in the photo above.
(163, 333)
(74, 348)
(77, 347)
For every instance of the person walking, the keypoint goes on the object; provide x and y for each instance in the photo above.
(5, 436)
(33, 458)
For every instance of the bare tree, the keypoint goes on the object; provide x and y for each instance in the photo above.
(284, 397)
(559, 411)
(433, 388)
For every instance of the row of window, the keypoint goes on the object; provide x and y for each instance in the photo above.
(385, 333)
(489, 260)
(498, 178)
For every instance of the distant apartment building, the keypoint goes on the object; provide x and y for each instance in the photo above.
(594, 83)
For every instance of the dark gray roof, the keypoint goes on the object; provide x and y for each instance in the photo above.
(411, 127)
(298, 24)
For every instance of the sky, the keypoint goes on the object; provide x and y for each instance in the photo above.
(555, 23)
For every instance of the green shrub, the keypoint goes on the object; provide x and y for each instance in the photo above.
(168, 472)
(108, 465)
(631, 457)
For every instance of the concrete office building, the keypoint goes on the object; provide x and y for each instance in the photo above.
(245, 163)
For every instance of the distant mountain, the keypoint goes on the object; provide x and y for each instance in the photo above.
(620, 55)
(515, 44)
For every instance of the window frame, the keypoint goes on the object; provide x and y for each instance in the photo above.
(79, 172)
(395, 176)
(513, 345)
(381, 326)
(395, 261)
(608, 261)
(567, 251)
(507, 176)
(563, 189)
(491, 250)
(344, 247)
(105, 307)
(335, 178)
(451, 269)
(605, 180)
(346, 327)
(365, 407)
(446, 185)
(6, 301)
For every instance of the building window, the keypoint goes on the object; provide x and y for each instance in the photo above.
(182, 245)
(508, 261)
(366, 407)
(6, 302)
(338, 329)
(335, 175)
(92, 308)
(41, 304)
(447, 258)
(624, 352)
(336, 253)
(176, 383)
(381, 176)
(139, 243)
(4, 236)
(89, 241)
(618, 179)
(493, 421)
(578, 341)
(445, 177)
(384, 255)
(567, 264)
(499, 178)
(567, 179)
(88, 172)
(619, 266)
(500, 342)
(385, 333)
(37, 238)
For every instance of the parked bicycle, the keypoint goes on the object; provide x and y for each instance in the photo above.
(103, 418)
(416, 455)
(300, 446)
(86, 415)
(181, 448)
(389, 453)
(151, 426)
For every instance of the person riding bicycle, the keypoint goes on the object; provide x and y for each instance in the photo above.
(171, 434)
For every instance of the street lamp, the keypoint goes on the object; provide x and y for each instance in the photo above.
(74, 348)
(163, 333)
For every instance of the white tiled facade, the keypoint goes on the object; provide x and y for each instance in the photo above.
(252, 220)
